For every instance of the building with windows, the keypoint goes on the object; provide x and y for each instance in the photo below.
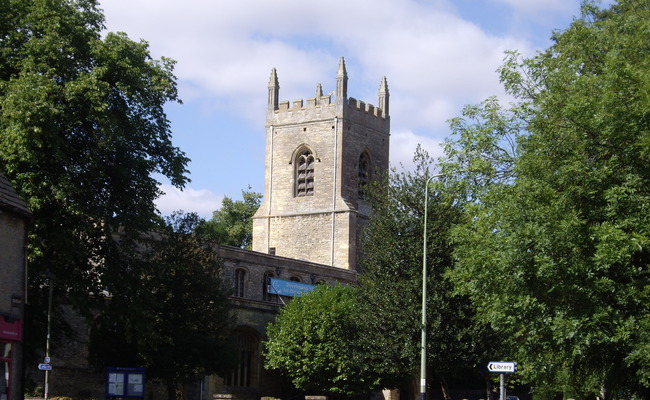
(14, 222)
(256, 306)
(319, 155)
(320, 152)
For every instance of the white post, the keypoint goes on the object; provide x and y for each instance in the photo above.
(503, 386)
(423, 345)
(47, 340)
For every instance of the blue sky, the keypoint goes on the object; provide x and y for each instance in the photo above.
(437, 55)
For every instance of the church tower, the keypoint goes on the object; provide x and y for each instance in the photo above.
(319, 155)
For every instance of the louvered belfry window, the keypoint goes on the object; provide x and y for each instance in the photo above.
(305, 174)
(364, 173)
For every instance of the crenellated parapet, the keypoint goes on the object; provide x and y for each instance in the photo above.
(320, 153)
(300, 104)
(362, 106)
(336, 103)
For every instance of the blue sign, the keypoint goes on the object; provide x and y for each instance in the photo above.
(289, 288)
(125, 382)
(45, 367)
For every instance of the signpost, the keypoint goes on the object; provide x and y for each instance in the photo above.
(502, 367)
(45, 367)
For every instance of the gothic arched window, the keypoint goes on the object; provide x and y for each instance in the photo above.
(305, 173)
(240, 283)
(364, 173)
(266, 294)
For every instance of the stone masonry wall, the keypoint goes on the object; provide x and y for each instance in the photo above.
(13, 233)
(324, 227)
(12, 261)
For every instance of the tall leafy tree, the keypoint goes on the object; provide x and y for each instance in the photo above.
(390, 298)
(232, 224)
(482, 149)
(557, 259)
(82, 131)
(311, 342)
(176, 320)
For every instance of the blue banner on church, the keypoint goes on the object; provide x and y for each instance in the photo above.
(289, 288)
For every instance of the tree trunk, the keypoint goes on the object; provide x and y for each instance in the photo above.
(174, 390)
(445, 388)
(603, 392)
(488, 387)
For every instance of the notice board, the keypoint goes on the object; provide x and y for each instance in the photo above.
(125, 382)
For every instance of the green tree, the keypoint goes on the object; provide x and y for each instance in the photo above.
(557, 258)
(82, 131)
(482, 149)
(232, 224)
(390, 300)
(310, 341)
(176, 320)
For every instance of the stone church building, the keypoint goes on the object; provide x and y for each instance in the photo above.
(320, 152)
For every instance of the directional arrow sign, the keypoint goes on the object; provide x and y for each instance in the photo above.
(502, 366)
(45, 367)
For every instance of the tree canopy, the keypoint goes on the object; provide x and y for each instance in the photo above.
(311, 342)
(232, 224)
(353, 340)
(82, 131)
(556, 257)
(174, 318)
(390, 300)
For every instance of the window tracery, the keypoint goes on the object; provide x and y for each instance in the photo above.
(266, 294)
(364, 173)
(305, 173)
(240, 283)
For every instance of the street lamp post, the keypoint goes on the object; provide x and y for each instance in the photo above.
(423, 346)
(46, 391)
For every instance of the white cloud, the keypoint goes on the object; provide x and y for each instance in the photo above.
(403, 145)
(537, 7)
(433, 59)
(201, 201)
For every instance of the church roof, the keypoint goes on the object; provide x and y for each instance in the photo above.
(9, 199)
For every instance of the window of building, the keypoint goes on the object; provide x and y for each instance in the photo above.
(294, 279)
(240, 283)
(305, 173)
(364, 173)
(266, 295)
(244, 374)
(5, 369)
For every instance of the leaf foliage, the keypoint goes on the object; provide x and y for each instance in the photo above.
(82, 132)
(557, 258)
